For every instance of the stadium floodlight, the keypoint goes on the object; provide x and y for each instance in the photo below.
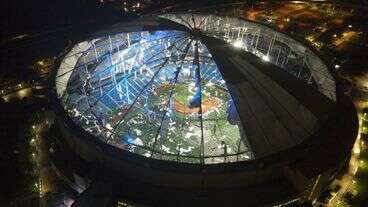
(265, 58)
(238, 44)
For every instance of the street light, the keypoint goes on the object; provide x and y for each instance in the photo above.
(41, 62)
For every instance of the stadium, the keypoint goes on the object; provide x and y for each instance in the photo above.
(204, 109)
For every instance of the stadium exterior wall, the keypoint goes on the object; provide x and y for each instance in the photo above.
(324, 152)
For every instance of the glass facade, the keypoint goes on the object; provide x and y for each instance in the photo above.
(158, 94)
(266, 43)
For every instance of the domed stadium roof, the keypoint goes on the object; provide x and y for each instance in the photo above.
(195, 88)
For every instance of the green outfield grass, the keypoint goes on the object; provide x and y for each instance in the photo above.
(182, 131)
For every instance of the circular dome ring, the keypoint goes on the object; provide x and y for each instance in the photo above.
(162, 95)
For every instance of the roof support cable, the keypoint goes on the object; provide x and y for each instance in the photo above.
(143, 89)
(198, 80)
(168, 48)
(169, 100)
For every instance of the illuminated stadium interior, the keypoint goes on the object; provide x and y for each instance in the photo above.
(160, 94)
